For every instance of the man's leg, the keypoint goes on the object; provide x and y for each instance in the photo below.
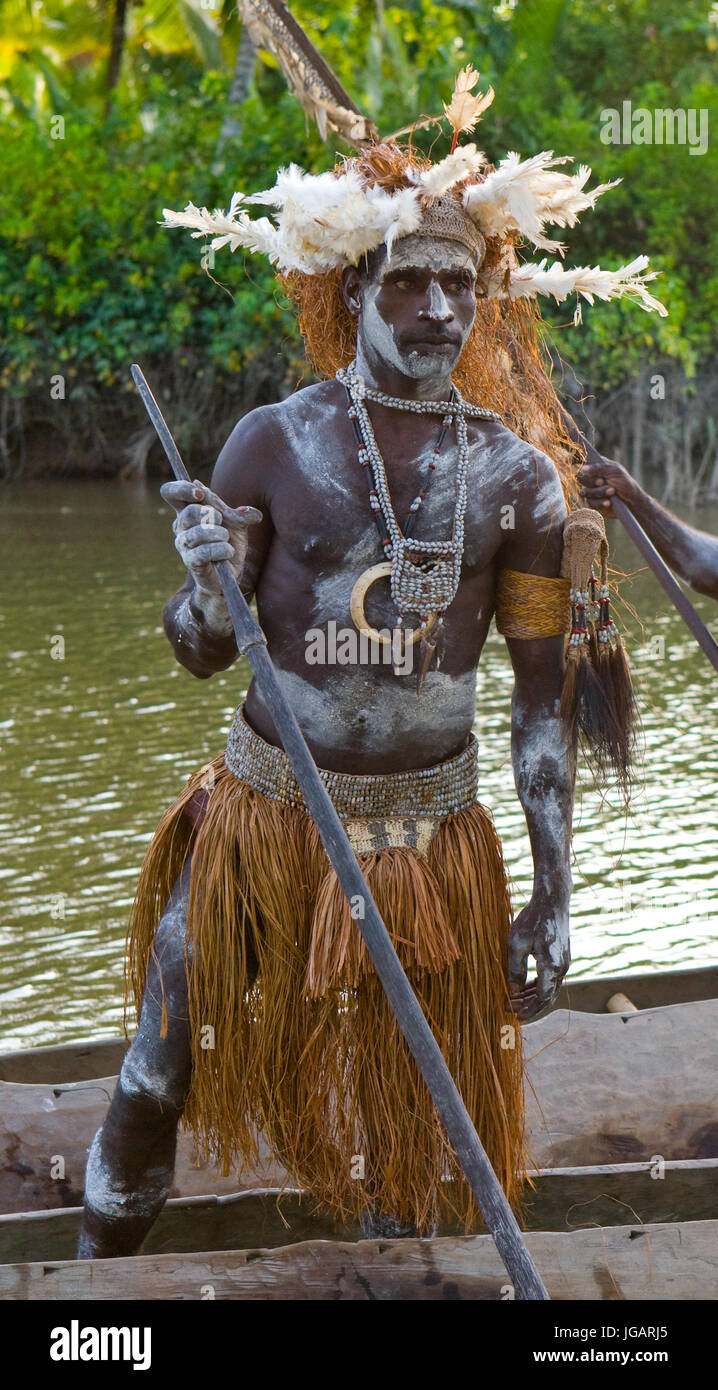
(131, 1163)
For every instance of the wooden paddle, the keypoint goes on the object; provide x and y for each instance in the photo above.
(424, 1048)
(666, 579)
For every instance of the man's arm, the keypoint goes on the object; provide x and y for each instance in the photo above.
(544, 776)
(229, 520)
(692, 554)
(543, 763)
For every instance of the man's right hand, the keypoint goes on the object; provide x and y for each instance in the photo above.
(602, 479)
(207, 530)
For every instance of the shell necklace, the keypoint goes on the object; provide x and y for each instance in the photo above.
(424, 574)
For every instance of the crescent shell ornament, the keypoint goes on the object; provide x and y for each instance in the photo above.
(356, 605)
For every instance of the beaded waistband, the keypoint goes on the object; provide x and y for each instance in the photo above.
(434, 792)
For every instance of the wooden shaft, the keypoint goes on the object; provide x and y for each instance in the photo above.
(666, 579)
(424, 1048)
(321, 67)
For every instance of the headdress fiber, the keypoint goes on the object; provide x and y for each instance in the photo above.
(323, 222)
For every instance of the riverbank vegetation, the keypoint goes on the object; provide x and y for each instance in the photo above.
(111, 112)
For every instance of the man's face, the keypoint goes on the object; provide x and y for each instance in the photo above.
(418, 307)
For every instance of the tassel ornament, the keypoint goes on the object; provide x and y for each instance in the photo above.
(598, 706)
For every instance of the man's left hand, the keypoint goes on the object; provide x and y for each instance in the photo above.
(542, 932)
(603, 479)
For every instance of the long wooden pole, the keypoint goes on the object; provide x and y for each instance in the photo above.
(316, 61)
(666, 579)
(454, 1116)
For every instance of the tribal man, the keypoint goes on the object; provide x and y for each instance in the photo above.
(387, 506)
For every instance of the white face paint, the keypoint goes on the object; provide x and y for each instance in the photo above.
(434, 252)
(375, 340)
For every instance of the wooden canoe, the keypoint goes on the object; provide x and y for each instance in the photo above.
(607, 1263)
(102, 1057)
(613, 1102)
(622, 1112)
(562, 1199)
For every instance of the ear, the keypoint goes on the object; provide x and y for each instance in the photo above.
(351, 290)
(352, 284)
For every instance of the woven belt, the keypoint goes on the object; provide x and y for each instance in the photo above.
(433, 792)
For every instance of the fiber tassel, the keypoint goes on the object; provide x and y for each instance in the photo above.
(430, 651)
(626, 712)
(405, 890)
(597, 705)
(569, 705)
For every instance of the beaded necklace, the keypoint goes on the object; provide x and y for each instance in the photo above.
(374, 503)
(349, 375)
(424, 574)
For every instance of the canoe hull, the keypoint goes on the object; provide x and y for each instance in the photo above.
(560, 1199)
(621, 1118)
(602, 1089)
(675, 1262)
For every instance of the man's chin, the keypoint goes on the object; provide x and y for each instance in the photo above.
(427, 360)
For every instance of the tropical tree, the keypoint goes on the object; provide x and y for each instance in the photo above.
(166, 100)
(57, 52)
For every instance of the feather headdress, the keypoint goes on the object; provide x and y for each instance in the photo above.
(323, 222)
(523, 196)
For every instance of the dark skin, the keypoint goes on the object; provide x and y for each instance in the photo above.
(296, 464)
(288, 509)
(691, 553)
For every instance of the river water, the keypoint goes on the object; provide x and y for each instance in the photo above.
(97, 739)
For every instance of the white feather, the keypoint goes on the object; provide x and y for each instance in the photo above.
(523, 196)
(440, 177)
(323, 221)
(192, 217)
(326, 221)
(226, 230)
(589, 281)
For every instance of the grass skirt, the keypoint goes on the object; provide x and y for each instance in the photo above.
(291, 1031)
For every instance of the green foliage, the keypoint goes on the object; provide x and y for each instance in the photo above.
(88, 280)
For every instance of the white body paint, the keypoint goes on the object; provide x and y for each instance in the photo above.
(332, 591)
(112, 1199)
(539, 755)
(376, 714)
(419, 365)
(140, 1078)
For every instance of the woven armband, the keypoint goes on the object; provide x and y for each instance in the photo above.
(531, 605)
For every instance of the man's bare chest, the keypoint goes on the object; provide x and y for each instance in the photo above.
(321, 509)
